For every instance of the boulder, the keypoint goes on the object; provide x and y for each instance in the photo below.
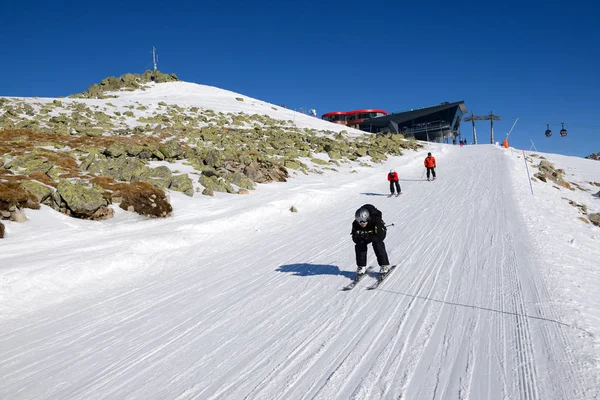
(171, 149)
(29, 163)
(81, 199)
(115, 150)
(182, 183)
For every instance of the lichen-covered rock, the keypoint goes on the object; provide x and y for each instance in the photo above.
(360, 151)
(40, 191)
(171, 149)
(29, 163)
(133, 149)
(241, 181)
(264, 171)
(53, 201)
(82, 200)
(132, 169)
(293, 164)
(334, 154)
(115, 150)
(159, 182)
(595, 218)
(215, 184)
(162, 172)
(55, 173)
(211, 157)
(182, 183)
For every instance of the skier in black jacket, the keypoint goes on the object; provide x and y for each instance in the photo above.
(368, 227)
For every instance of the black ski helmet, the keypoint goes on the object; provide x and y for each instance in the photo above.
(428, 154)
(362, 215)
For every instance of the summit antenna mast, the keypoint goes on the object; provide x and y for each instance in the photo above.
(154, 58)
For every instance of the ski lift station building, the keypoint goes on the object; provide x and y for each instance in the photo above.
(436, 123)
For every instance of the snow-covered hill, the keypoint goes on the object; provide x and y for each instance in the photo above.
(156, 99)
(496, 294)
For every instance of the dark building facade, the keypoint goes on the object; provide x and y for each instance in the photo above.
(438, 123)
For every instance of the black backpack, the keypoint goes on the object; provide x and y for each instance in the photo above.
(375, 214)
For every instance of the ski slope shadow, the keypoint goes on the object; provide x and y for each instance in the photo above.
(314, 269)
(490, 310)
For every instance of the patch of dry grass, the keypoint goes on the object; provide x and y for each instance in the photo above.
(145, 198)
(13, 195)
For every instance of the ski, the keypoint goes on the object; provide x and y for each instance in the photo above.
(381, 278)
(357, 279)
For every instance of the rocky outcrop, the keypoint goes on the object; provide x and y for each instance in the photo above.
(595, 218)
(547, 172)
(125, 82)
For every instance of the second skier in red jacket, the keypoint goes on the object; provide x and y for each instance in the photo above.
(393, 178)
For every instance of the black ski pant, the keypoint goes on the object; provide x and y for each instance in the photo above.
(380, 253)
(396, 184)
(432, 169)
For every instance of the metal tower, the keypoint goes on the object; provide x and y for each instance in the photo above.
(492, 118)
(473, 118)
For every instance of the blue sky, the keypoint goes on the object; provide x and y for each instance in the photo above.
(538, 61)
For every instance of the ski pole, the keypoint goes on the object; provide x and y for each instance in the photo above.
(389, 225)
(423, 174)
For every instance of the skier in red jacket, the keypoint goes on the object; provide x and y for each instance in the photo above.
(393, 178)
(430, 165)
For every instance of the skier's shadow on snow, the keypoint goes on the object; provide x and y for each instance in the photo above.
(314, 269)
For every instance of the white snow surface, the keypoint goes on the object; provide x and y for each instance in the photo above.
(496, 294)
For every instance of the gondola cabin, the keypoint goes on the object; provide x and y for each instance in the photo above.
(548, 131)
(563, 131)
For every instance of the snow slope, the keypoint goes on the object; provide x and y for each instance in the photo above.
(496, 294)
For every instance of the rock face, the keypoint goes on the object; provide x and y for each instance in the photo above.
(595, 218)
(1, 230)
